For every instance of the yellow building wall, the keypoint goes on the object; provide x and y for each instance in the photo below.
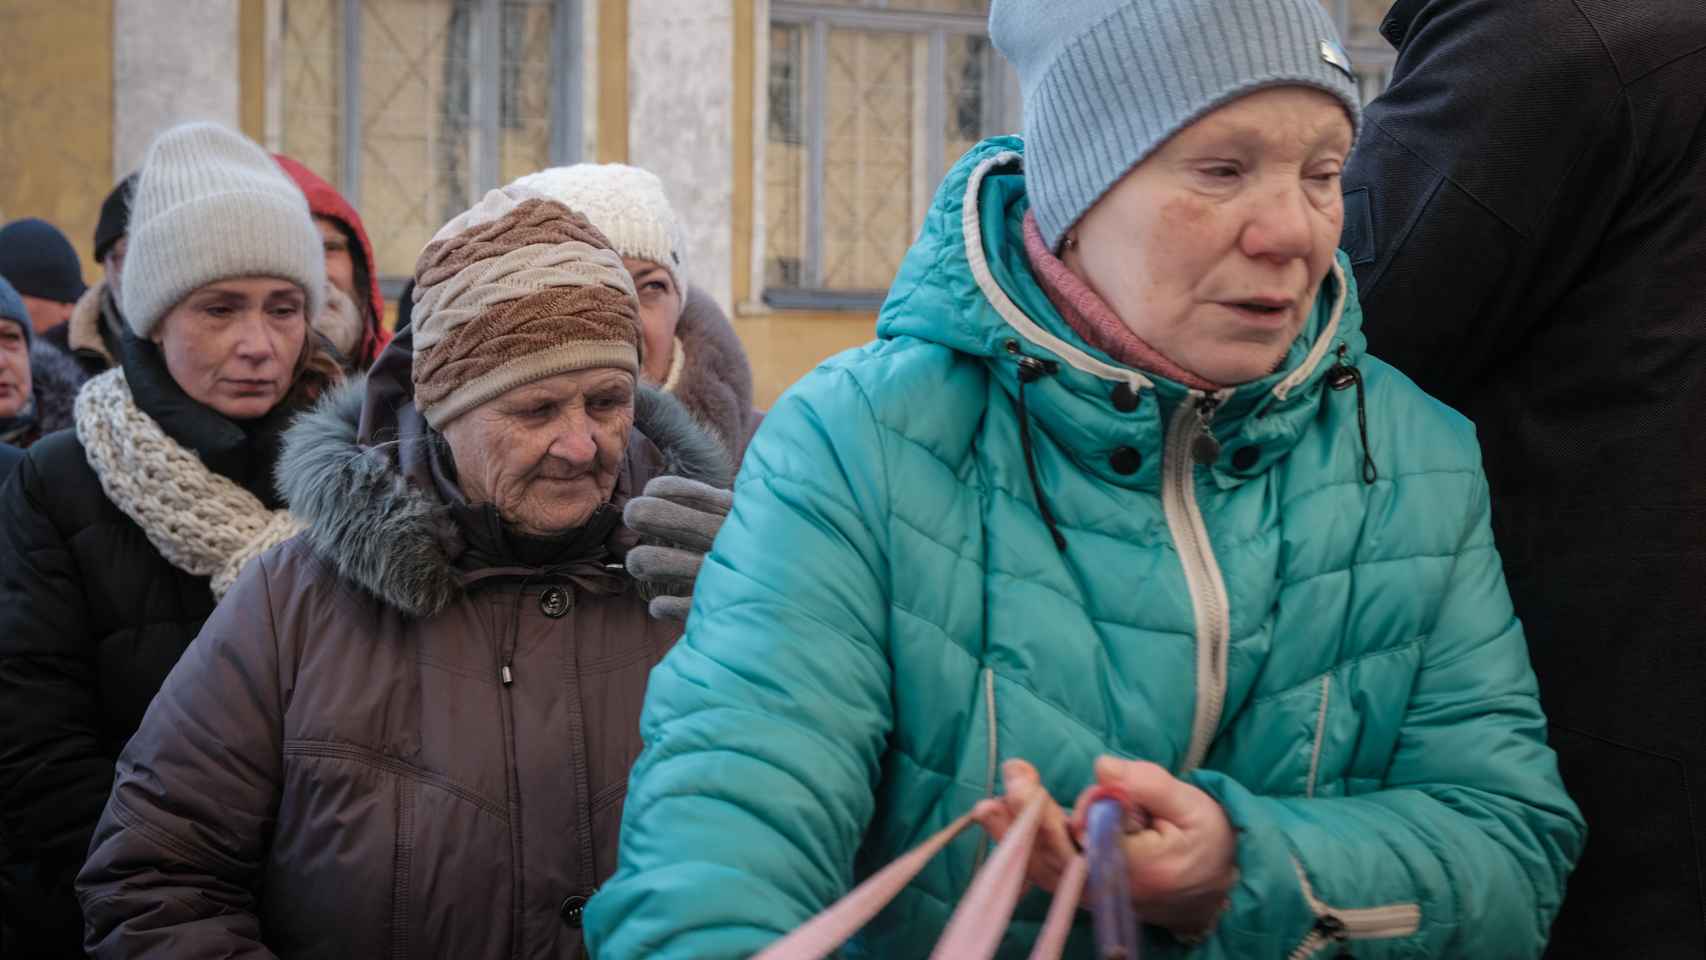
(56, 107)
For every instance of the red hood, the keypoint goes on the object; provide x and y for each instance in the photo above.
(324, 200)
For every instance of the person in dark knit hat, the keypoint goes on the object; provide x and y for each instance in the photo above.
(41, 264)
(97, 322)
(38, 381)
(1117, 500)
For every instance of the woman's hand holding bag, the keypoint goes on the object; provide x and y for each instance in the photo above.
(1179, 854)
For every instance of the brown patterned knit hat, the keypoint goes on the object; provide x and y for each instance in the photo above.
(517, 289)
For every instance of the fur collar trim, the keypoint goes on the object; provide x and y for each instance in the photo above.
(395, 538)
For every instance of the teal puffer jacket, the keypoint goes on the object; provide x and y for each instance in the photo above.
(885, 618)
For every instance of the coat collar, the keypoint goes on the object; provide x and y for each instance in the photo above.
(1395, 27)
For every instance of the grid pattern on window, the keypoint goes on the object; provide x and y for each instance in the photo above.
(785, 159)
(525, 95)
(869, 113)
(416, 163)
(870, 104)
(446, 99)
(312, 83)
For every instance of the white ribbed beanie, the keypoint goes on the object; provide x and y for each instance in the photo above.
(211, 205)
(627, 204)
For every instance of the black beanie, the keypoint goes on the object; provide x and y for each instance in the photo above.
(115, 217)
(40, 262)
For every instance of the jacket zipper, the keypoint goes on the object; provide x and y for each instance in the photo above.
(1202, 572)
(1334, 925)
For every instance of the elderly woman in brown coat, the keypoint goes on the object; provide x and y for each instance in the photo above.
(408, 731)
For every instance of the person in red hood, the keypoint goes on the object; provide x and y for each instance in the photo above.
(349, 270)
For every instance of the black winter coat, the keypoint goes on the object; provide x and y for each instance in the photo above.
(92, 618)
(1526, 211)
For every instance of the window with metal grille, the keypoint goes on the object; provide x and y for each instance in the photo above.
(414, 108)
(870, 103)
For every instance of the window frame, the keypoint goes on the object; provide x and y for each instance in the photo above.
(567, 123)
(815, 20)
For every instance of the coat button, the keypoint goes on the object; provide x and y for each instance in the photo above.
(1125, 398)
(554, 602)
(1125, 460)
(1245, 457)
(571, 910)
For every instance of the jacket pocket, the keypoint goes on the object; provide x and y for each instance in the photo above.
(1339, 924)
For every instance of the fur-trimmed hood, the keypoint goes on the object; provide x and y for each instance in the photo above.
(87, 333)
(357, 471)
(55, 379)
(716, 378)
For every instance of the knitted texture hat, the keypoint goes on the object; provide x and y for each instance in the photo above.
(211, 205)
(627, 204)
(115, 217)
(517, 289)
(1106, 82)
(12, 309)
(39, 262)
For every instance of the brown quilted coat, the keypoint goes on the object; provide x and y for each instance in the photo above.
(401, 734)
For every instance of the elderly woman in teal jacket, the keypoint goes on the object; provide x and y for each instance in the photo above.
(1115, 497)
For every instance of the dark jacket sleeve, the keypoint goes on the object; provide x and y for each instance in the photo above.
(55, 771)
(1480, 182)
(10, 457)
(173, 868)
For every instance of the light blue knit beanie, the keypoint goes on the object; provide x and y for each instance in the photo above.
(1106, 82)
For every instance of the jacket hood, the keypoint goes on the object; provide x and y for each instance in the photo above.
(716, 378)
(358, 471)
(325, 201)
(89, 322)
(55, 379)
(971, 258)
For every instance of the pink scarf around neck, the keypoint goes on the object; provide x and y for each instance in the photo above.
(1091, 317)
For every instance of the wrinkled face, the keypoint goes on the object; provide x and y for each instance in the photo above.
(113, 264)
(233, 345)
(340, 260)
(660, 310)
(546, 454)
(1213, 248)
(14, 369)
(46, 314)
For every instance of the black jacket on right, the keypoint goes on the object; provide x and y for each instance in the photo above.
(92, 618)
(1526, 212)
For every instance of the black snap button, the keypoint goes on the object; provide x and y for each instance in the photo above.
(1245, 457)
(1125, 398)
(554, 602)
(1125, 460)
(571, 910)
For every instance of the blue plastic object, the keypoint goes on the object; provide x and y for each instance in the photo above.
(1109, 884)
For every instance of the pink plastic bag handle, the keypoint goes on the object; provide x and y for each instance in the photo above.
(820, 935)
(975, 930)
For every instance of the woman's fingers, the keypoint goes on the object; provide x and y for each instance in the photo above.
(1150, 787)
(1053, 848)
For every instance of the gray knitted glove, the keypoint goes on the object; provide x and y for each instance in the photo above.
(679, 518)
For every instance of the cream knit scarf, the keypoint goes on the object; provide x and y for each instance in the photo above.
(202, 523)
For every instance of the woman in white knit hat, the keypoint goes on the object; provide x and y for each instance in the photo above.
(692, 350)
(117, 538)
